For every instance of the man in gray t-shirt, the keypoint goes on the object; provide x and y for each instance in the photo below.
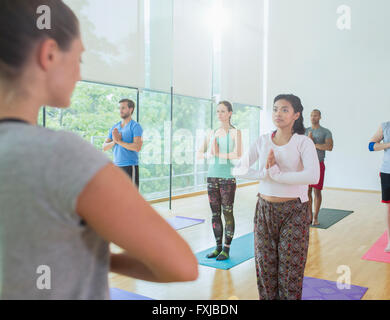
(323, 141)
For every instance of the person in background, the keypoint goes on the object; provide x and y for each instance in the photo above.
(224, 145)
(322, 138)
(381, 142)
(126, 139)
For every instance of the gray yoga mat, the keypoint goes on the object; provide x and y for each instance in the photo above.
(328, 217)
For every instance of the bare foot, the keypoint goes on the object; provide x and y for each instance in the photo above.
(315, 223)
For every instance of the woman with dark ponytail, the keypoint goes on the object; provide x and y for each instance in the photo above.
(295, 102)
(288, 164)
(63, 201)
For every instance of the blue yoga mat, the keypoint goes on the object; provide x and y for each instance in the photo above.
(118, 294)
(179, 222)
(241, 249)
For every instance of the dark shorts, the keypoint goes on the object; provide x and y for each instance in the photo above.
(320, 183)
(385, 183)
(134, 177)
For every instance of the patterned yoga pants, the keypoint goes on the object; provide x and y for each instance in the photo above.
(221, 194)
(281, 245)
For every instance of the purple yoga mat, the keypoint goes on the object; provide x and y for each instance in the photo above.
(118, 294)
(318, 289)
(179, 222)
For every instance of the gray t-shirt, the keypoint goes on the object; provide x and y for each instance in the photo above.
(319, 136)
(46, 250)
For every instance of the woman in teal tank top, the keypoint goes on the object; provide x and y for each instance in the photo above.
(222, 146)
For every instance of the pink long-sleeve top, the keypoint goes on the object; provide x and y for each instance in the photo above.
(296, 167)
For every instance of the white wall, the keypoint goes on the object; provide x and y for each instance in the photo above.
(344, 73)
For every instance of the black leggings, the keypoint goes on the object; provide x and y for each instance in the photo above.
(129, 170)
(221, 194)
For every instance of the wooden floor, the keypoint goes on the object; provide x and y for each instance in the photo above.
(342, 244)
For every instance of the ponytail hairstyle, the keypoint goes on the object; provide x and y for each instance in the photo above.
(298, 126)
(229, 106)
(19, 32)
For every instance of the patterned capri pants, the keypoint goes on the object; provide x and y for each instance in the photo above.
(221, 195)
(281, 245)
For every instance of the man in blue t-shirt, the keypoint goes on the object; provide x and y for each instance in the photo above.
(126, 139)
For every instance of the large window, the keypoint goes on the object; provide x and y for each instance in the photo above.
(94, 110)
(173, 58)
(155, 108)
(191, 118)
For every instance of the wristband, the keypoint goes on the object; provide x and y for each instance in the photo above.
(371, 146)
